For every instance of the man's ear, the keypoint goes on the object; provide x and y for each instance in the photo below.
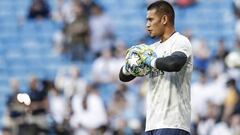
(164, 19)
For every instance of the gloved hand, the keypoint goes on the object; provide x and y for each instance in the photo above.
(137, 48)
(126, 69)
(148, 57)
(135, 58)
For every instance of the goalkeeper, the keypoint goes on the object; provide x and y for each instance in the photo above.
(168, 99)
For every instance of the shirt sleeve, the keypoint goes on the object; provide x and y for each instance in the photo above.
(183, 45)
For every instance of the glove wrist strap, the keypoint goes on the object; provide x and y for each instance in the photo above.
(153, 62)
(124, 70)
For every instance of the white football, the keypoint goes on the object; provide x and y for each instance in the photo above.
(134, 63)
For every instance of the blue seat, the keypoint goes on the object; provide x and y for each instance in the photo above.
(4, 81)
(6, 8)
(18, 70)
(4, 86)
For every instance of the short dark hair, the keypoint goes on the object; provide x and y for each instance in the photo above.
(165, 8)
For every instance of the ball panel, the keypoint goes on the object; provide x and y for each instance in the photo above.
(134, 63)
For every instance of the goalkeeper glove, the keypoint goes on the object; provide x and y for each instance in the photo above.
(125, 69)
(149, 58)
(138, 48)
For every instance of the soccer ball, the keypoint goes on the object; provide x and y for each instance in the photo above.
(134, 64)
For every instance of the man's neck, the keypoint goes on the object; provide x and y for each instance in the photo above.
(169, 32)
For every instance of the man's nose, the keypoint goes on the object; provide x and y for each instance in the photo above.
(147, 24)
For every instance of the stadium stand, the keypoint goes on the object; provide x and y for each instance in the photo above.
(26, 46)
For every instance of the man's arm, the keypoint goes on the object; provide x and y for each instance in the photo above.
(125, 77)
(172, 63)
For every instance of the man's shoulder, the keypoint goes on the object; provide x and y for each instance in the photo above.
(182, 38)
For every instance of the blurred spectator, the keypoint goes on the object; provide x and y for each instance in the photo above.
(151, 1)
(235, 124)
(180, 3)
(89, 115)
(215, 67)
(199, 97)
(38, 106)
(64, 11)
(59, 111)
(236, 7)
(237, 27)
(217, 64)
(215, 108)
(202, 55)
(103, 68)
(59, 42)
(232, 101)
(7, 131)
(117, 108)
(205, 102)
(236, 4)
(221, 128)
(206, 124)
(77, 34)
(217, 85)
(119, 58)
(70, 81)
(57, 13)
(57, 105)
(221, 51)
(39, 9)
(72, 13)
(101, 29)
(87, 4)
(123, 113)
(200, 50)
(185, 3)
(15, 109)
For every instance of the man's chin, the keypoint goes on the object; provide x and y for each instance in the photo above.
(152, 36)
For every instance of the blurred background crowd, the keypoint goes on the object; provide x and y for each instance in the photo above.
(65, 55)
